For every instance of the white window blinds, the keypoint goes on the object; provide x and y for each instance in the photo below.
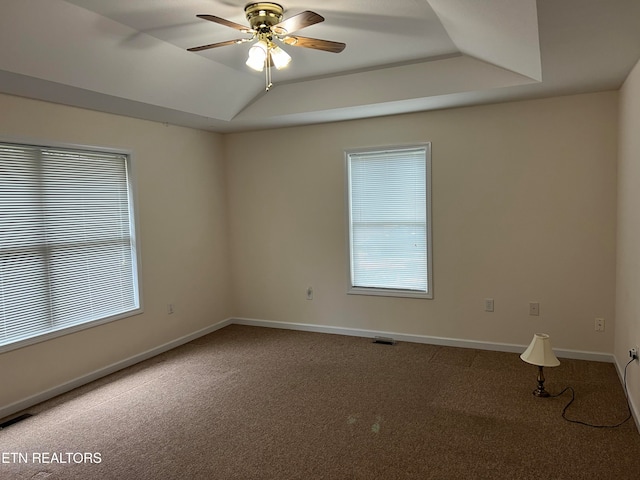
(67, 249)
(389, 221)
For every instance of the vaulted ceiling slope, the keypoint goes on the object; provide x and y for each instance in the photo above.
(130, 58)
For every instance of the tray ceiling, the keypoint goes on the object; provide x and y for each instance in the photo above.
(130, 57)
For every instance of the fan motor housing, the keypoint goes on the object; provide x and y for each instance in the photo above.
(263, 14)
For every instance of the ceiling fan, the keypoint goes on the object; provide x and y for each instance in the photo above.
(266, 28)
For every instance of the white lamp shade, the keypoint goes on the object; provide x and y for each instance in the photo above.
(280, 58)
(258, 55)
(539, 352)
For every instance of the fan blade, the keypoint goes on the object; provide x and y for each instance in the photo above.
(326, 45)
(214, 45)
(228, 23)
(297, 22)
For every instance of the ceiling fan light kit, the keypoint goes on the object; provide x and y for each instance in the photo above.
(267, 27)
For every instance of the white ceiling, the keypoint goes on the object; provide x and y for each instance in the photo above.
(129, 57)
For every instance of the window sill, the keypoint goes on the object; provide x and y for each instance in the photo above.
(389, 292)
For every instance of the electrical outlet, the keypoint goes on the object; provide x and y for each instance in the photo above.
(488, 304)
(534, 309)
(599, 324)
(309, 293)
(633, 353)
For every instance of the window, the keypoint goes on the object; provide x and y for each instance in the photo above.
(389, 221)
(67, 244)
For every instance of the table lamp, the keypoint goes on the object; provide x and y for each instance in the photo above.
(539, 353)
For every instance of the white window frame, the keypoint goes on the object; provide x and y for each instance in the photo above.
(391, 292)
(134, 229)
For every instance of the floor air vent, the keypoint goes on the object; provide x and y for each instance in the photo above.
(17, 419)
(384, 340)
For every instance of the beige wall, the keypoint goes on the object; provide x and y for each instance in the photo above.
(628, 258)
(524, 202)
(182, 213)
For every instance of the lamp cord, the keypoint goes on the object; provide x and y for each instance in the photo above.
(573, 397)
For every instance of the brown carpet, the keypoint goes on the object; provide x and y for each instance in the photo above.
(257, 403)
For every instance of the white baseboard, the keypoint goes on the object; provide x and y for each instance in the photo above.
(103, 372)
(404, 337)
(632, 405)
(450, 342)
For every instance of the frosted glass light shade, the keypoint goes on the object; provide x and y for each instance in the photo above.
(539, 352)
(280, 58)
(257, 55)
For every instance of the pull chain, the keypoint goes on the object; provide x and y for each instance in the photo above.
(267, 73)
